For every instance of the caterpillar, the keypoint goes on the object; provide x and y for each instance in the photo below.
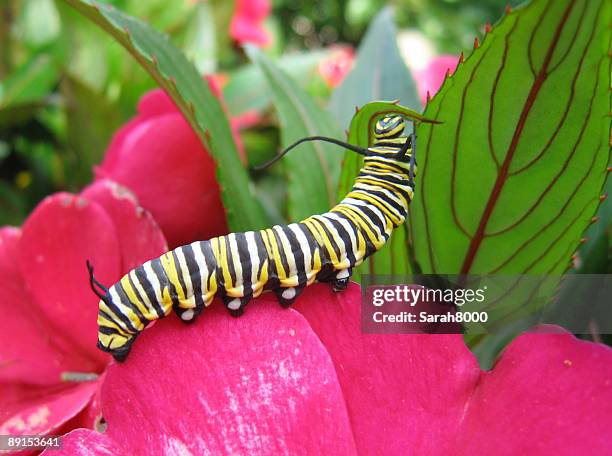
(284, 259)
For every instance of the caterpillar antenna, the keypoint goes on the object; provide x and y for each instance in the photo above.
(93, 282)
(359, 150)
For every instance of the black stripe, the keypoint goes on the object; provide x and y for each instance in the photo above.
(211, 265)
(149, 290)
(164, 281)
(345, 236)
(330, 236)
(118, 315)
(127, 303)
(245, 261)
(195, 274)
(179, 272)
(281, 251)
(273, 281)
(139, 296)
(298, 255)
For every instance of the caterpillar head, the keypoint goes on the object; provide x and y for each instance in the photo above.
(389, 127)
(111, 338)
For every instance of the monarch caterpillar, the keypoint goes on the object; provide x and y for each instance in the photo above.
(285, 259)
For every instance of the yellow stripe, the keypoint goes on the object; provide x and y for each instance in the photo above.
(148, 313)
(323, 235)
(282, 274)
(238, 290)
(167, 262)
(355, 217)
(223, 264)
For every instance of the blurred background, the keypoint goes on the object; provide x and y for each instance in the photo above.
(65, 87)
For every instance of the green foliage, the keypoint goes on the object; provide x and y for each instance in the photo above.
(512, 177)
(172, 71)
(313, 169)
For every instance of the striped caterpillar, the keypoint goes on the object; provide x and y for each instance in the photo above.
(285, 259)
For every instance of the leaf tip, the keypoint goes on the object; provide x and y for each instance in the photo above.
(609, 168)
(461, 58)
(476, 43)
(583, 240)
(603, 197)
(428, 97)
(207, 134)
(356, 109)
(508, 9)
(346, 132)
(594, 219)
(487, 27)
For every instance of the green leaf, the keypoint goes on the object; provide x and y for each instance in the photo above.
(314, 167)
(379, 72)
(179, 78)
(247, 89)
(511, 178)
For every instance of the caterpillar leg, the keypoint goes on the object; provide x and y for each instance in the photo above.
(286, 296)
(341, 279)
(236, 306)
(188, 315)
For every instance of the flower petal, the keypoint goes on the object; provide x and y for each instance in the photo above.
(262, 383)
(61, 233)
(547, 394)
(402, 391)
(432, 76)
(40, 411)
(85, 442)
(246, 25)
(140, 238)
(164, 163)
(30, 352)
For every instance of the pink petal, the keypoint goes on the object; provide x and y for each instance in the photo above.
(140, 238)
(424, 394)
(431, 78)
(163, 162)
(243, 30)
(58, 237)
(262, 383)
(85, 442)
(30, 351)
(547, 394)
(41, 411)
(336, 65)
(246, 25)
(403, 392)
(155, 103)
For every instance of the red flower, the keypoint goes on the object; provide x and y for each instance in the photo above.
(432, 76)
(246, 25)
(160, 158)
(48, 312)
(334, 67)
(308, 382)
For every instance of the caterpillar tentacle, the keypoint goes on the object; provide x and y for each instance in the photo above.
(284, 259)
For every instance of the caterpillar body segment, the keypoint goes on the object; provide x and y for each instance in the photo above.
(284, 259)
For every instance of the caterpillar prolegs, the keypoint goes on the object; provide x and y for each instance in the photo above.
(284, 259)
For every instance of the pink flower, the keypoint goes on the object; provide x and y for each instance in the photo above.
(247, 22)
(334, 67)
(307, 381)
(160, 158)
(47, 309)
(430, 78)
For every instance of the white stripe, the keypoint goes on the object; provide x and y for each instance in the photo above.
(117, 301)
(350, 229)
(233, 248)
(141, 292)
(154, 281)
(336, 238)
(304, 246)
(200, 260)
(255, 263)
